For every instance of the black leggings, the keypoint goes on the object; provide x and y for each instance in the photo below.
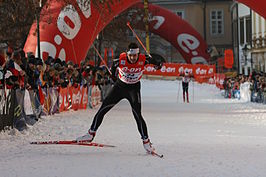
(185, 87)
(119, 91)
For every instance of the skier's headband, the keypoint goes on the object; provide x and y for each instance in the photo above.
(133, 51)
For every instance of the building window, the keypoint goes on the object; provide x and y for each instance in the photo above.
(181, 13)
(217, 22)
(242, 31)
(248, 30)
(245, 30)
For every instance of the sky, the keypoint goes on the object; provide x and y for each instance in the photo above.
(210, 136)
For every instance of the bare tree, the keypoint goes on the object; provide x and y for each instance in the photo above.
(17, 17)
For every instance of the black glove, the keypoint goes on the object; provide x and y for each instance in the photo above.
(159, 66)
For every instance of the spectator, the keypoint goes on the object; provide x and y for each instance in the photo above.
(14, 77)
(32, 75)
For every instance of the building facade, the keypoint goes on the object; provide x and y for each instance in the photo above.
(249, 31)
(258, 50)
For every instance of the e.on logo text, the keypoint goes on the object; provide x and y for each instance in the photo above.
(185, 69)
(69, 24)
(190, 44)
(200, 71)
(168, 69)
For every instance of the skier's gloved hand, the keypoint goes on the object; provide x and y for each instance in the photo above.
(159, 66)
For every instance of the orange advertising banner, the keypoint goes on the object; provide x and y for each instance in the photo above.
(84, 98)
(228, 58)
(75, 98)
(219, 80)
(174, 69)
(63, 100)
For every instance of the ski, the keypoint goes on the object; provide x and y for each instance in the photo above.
(71, 142)
(156, 154)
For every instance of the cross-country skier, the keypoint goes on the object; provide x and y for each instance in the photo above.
(130, 67)
(185, 82)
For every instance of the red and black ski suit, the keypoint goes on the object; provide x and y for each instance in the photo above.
(126, 86)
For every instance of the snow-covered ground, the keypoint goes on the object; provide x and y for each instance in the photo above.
(209, 137)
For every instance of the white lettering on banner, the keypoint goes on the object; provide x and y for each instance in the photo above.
(182, 70)
(150, 69)
(58, 39)
(167, 69)
(210, 71)
(50, 49)
(185, 39)
(70, 12)
(85, 7)
(201, 71)
(190, 71)
(46, 47)
(160, 20)
(189, 44)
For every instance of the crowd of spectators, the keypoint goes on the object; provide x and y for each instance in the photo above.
(256, 83)
(18, 71)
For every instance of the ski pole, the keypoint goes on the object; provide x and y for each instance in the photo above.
(178, 90)
(193, 90)
(128, 24)
(101, 59)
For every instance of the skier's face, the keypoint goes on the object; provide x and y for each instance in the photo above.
(132, 58)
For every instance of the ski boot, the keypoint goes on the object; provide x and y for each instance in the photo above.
(148, 146)
(88, 137)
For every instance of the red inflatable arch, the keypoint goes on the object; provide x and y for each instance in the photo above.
(68, 30)
(180, 34)
(73, 28)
